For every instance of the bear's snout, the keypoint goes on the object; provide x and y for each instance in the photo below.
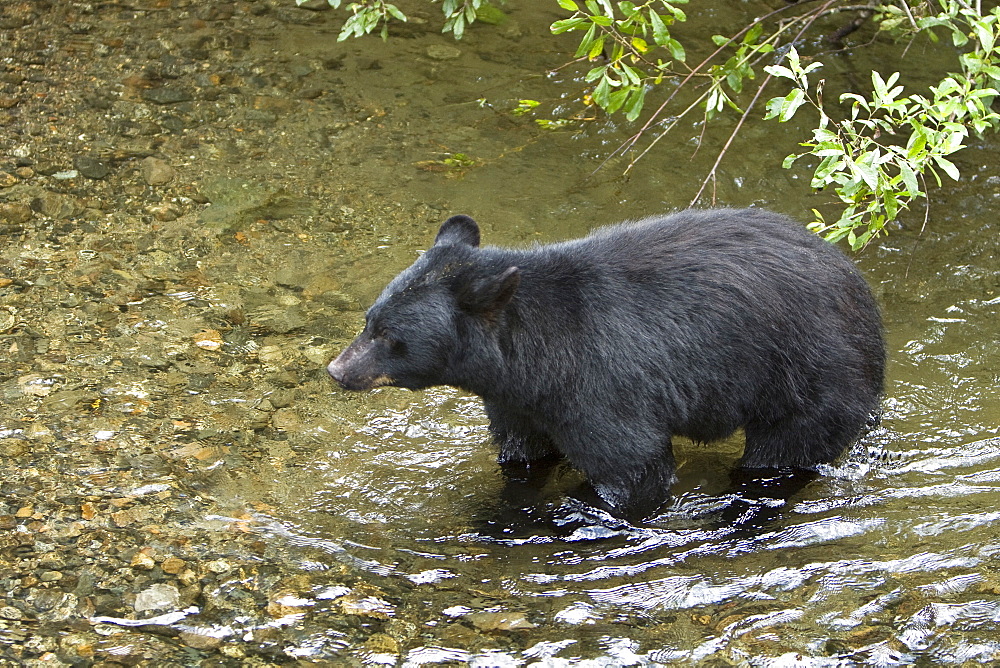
(337, 372)
(356, 368)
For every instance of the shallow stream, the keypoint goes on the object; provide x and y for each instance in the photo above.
(198, 202)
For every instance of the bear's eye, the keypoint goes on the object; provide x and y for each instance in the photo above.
(388, 337)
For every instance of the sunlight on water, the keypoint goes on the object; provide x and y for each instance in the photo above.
(183, 484)
(886, 559)
(398, 516)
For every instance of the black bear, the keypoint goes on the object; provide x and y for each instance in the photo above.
(601, 349)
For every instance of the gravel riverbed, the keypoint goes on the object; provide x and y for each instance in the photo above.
(165, 199)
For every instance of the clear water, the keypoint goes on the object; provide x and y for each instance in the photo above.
(886, 559)
(380, 533)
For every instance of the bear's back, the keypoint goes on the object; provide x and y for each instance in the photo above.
(705, 234)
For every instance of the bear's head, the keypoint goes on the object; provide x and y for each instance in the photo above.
(432, 317)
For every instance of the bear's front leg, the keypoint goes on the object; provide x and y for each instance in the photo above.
(520, 441)
(634, 483)
(526, 458)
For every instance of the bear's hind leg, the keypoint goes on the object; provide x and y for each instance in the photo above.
(800, 440)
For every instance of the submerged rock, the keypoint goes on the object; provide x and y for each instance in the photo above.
(166, 95)
(56, 205)
(156, 172)
(90, 167)
(236, 202)
(500, 621)
(157, 597)
(16, 213)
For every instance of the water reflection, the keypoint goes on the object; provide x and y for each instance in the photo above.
(149, 458)
(748, 592)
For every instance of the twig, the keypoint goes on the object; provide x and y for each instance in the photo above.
(631, 141)
(732, 136)
(857, 22)
(132, 8)
(927, 215)
(660, 136)
(906, 8)
(760, 89)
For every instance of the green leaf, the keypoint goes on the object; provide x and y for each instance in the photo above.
(629, 75)
(596, 49)
(676, 49)
(660, 32)
(824, 135)
(602, 93)
(867, 173)
(821, 177)
(948, 166)
(793, 60)
(779, 71)
(878, 84)
(587, 41)
(617, 99)
(565, 25)
(793, 101)
(714, 103)
(984, 35)
(916, 144)
(789, 159)
(773, 108)
(890, 204)
(735, 81)
(753, 34)
(394, 10)
(635, 101)
(595, 74)
(569, 5)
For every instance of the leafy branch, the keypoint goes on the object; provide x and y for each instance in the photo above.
(368, 16)
(748, 49)
(878, 157)
(876, 152)
(621, 37)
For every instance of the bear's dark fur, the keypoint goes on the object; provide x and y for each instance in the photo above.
(602, 348)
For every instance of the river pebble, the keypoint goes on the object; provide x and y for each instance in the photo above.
(443, 52)
(156, 172)
(90, 167)
(157, 597)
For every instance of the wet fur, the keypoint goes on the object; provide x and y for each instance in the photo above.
(601, 349)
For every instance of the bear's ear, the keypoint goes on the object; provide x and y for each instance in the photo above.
(488, 295)
(458, 230)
